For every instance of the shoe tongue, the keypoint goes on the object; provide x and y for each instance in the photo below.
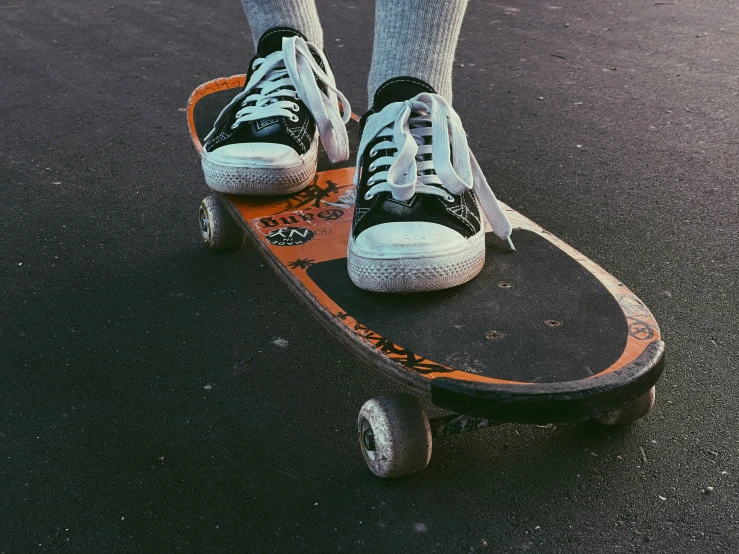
(271, 41)
(399, 89)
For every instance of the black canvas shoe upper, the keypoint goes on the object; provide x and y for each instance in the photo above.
(296, 133)
(461, 213)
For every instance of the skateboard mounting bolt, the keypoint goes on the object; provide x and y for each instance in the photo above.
(505, 284)
(553, 322)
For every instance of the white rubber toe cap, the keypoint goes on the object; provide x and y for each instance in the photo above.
(416, 239)
(413, 257)
(255, 154)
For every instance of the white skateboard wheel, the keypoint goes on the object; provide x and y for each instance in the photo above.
(394, 435)
(630, 412)
(217, 228)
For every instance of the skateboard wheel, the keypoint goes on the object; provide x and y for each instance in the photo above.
(217, 227)
(630, 412)
(394, 435)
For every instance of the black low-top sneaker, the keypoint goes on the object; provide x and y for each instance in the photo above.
(420, 195)
(266, 140)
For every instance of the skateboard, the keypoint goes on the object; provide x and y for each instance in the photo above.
(542, 335)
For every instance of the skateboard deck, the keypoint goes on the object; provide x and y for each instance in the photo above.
(542, 335)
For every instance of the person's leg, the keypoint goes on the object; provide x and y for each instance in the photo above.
(300, 15)
(265, 141)
(418, 221)
(416, 38)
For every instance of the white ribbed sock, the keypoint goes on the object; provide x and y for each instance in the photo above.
(416, 38)
(300, 15)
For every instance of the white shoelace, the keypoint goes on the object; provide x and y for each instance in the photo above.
(295, 67)
(404, 134)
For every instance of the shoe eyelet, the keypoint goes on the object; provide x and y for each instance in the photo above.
(449, 198)
(372, 154)
(294, 118)
(369, 196)
(295, 107)
(371, 167)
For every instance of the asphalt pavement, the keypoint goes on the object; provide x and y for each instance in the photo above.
(156, 396)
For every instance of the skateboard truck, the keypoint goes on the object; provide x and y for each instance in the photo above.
(395, 434)
(454, 424)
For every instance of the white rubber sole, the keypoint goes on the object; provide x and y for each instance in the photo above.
(401, 269)
(260, 179)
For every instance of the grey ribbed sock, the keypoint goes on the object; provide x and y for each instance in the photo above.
(416, 38)
(301, 15)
